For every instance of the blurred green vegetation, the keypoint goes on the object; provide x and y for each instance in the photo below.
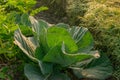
(102, 14)
(102, 17)
(75, 10)
(14, 14)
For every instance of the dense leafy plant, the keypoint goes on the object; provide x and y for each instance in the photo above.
(59, 48)
(13, 13)
(102, 13)
(21, 6)
(76, 10)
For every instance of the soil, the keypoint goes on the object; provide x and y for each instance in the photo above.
(51, 16)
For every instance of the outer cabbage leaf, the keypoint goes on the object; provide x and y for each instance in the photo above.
(94, 68)
(46, 67)
(27, 45)
(25, 20)
(32, 49)
(33, 72)
(66, 26)
(40, 30)
(38, 26)
(82, 37)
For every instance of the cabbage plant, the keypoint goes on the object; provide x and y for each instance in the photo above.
(59, 52)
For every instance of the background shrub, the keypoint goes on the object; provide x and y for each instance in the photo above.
(13, 15)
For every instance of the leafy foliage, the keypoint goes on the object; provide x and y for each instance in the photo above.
(58, 48)
(94, 69)
(12, 14)
(109, 44)
(3, 74)
(102, 14)
(75, 10)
